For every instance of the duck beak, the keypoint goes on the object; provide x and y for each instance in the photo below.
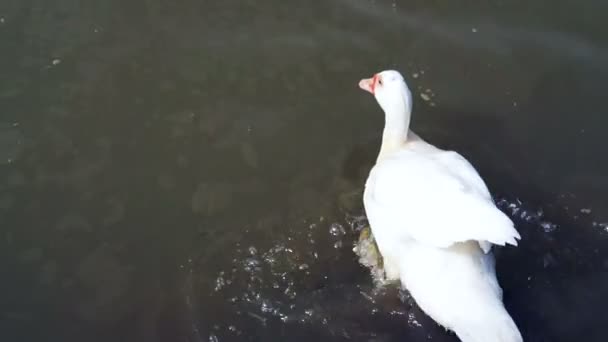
(369, 84)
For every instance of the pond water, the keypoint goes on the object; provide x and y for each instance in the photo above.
(192, 170)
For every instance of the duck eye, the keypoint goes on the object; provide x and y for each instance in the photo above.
(379, 81)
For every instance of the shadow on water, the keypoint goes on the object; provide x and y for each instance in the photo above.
(193, 171)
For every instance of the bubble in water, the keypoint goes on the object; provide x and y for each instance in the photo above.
(220, 282)
(603, 225)
(548, 227)
(213, 338)
(337, 229)
(290, 292)
(307, 317)
(411, 319)
(252, 262)
(266, 307)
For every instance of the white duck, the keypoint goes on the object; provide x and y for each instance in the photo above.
(434, 222)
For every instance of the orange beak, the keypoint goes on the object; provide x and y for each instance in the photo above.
(369, 84)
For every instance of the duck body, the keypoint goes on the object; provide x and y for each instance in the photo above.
(434, 222)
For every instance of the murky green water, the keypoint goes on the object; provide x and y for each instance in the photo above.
(190, 171)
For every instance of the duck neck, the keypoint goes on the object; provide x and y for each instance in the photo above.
(396, 127)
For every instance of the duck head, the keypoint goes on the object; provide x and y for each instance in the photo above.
(390, 90)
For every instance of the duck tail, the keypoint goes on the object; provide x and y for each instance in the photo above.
(492, 324)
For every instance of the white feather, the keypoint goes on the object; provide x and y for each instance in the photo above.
(436, 198)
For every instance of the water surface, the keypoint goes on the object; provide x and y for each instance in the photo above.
(191, 171)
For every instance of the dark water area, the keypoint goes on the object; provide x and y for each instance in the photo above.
(192, 170)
